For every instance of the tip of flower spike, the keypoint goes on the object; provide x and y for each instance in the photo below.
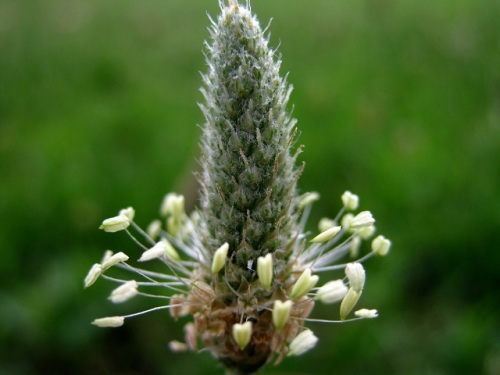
(109, 322)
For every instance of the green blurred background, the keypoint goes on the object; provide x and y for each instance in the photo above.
(398, 101)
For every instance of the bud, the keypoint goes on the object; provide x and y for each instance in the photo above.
(265, 271)
(242, 333)
(363, 219)
(124, 292)
(113, 260)
(93, 275)
(350, 201)
(115, 224)
(220, 256)
(327, 235)
(356, 275)
(304, 284)
(109, 322)
(281, 313)
(128, 212)
(332, 291)
(348, 303)
(304, 342)
(381, 245)
(366, 314)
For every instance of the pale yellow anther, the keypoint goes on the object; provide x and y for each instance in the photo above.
(356, 275)
(93, 275)
(304, 284)
(242, 333)
(366, 314)
(128, 212)
(327, 235)
(332, 292)
(363, 219)
(348, 303)
(109, 322)
(381, 245)
(305, 341)
(307, 199)
(281, 313)
(219, 259)
(115, 224)
(350, 201)
(113, 260)
(265, 271)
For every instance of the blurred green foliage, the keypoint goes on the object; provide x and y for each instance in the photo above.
(398, 101)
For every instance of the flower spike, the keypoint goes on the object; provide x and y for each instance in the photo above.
(240, 269)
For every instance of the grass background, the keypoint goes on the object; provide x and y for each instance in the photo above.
(398, 101)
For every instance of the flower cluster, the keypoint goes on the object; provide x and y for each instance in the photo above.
(278, 304)
(243, 266)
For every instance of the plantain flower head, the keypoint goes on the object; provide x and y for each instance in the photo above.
(242, 268)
